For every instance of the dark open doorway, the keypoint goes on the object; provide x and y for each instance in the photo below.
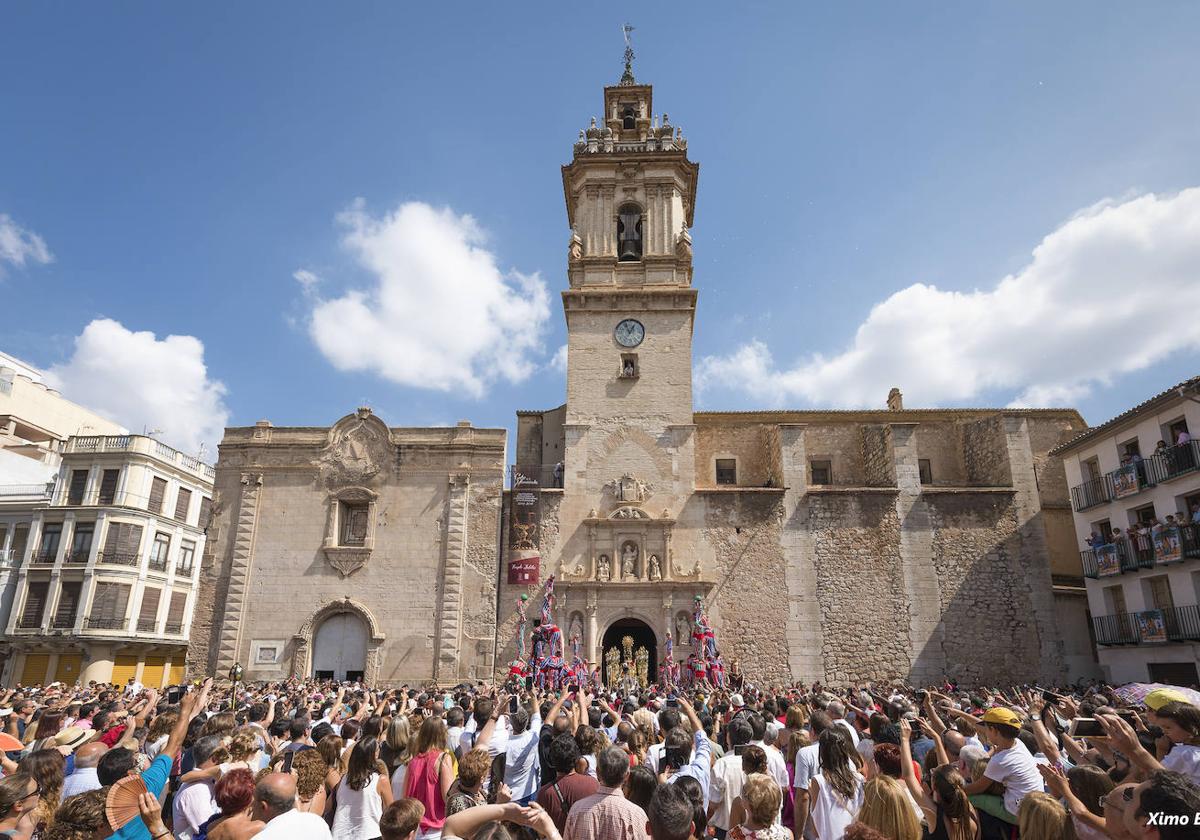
(640, 635)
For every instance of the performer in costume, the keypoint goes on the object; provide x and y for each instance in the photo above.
(668, 676)
(522, 625)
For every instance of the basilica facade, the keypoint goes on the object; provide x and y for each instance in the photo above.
(826, 545)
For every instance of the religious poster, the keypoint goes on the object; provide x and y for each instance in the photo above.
(1107, 562)
(1125, 481)
(1151, 626)
(1167, 546)
(524, 524)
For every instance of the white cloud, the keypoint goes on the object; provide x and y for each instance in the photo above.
(439, 313)
(1113, 290)
(139, 380)
(558, 362)
(18, 245)
(307, 280)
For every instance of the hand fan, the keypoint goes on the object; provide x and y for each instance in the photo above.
(9, 744)
(121, 806)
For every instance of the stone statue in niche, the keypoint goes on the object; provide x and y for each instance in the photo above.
(655, 568)
(605, 568)
(629, 556)
(682, 629)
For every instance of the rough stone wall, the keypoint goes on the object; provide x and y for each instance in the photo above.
(755, 445)
(841, 444)
(751, 591)
(879, 462)
(856, 542)
(528, 451)
(506, 629)
(941, 445)
(1044, 434)
(482, 569)
(985, 455)
(990, 635)
(214, 575)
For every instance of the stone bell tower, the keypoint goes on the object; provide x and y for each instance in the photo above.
(628, 555)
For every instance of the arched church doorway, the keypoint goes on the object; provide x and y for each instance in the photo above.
(629, 652)
(340, 648)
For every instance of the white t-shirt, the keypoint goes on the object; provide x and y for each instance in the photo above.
(522, 769)
(1017, 771)
(725, 786)
(193, 804)
(499, 743)
(849, 727)
(296, 825)
(808, 764)
(1185, 759)
(776, 765)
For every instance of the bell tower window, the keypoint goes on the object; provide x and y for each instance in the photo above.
(628, 118)
(629, 233)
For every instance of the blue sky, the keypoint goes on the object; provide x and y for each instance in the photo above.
(178, 165)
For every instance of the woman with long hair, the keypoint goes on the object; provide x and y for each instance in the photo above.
(330, 748)
(47, 769)
(47, 726)
(887, 809)
(19, 798)
(394, 751)
(1042, 817)
(364, 792)
(948, 813)
(835, 794)
(430, 775)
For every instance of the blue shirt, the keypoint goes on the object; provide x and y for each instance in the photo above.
(699, 768)
(155, 776)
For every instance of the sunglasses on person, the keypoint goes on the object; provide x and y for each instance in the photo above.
(1126, 798)
(37, 791)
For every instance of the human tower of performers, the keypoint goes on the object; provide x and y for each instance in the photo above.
(547, 666)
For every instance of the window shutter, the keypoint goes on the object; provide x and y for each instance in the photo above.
(131, 538)
(68, 604)
(149, 609)
(175, 611)
(205, 512)
(78, 484)
(19, 541)
(35, 603)
(158, 489)
(182, 502)
(109, 602)
(108, 486)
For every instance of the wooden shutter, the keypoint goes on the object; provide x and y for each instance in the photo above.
(78, 484)
(175, 610)
(19, 541)
(35, 668)
(108, 486)
(109, 602)
(149, 609)
(35, 603)
(205, 512)
(158, 490)
(69, 667)
(68, 604)
(182, 502)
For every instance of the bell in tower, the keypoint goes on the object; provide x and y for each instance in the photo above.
(629, 233)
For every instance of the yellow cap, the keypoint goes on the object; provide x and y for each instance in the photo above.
(999, 714)
(1160, 697)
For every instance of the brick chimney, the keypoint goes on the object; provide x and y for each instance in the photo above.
(895, 400)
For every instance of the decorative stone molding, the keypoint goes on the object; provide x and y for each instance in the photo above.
(348, 559)
(629, 490)
(303, 640)
(629, 513)
(359, 448)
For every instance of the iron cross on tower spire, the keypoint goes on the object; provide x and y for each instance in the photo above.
(627, 76)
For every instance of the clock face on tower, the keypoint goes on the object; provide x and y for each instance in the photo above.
(629, 333)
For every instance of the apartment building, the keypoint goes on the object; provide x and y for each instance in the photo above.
(106, 563)
(1135, 493)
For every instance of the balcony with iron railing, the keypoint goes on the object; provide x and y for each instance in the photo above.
(26, 492)
(101, 623)
(1134, 477)
(63, 622)
(140, 444)
(1156, 626)
(118, 558)
(1133, 553)
(157, 564)
(43, 558)
(147, 625)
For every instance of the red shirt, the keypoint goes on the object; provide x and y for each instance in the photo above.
(573, 787)
(110, 738)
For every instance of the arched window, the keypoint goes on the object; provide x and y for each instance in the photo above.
(629, 118)
(629, 233)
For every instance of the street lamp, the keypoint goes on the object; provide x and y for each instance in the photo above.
(235, 674)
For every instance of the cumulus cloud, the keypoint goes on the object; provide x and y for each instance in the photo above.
(558, 362)
(140, 380)
(307, 280)
(1111, 291)
(19, 246)
(438, 312)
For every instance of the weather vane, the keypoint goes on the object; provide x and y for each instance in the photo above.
(627, 76)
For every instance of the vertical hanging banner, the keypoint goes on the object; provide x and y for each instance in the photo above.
(524, 526)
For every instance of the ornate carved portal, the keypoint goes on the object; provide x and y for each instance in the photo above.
(302, 642)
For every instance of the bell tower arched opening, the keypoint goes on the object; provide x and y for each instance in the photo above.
(621, 651)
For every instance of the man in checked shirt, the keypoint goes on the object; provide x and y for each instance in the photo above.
(607, 814)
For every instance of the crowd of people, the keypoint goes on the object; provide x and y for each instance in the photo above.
(310, 761)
